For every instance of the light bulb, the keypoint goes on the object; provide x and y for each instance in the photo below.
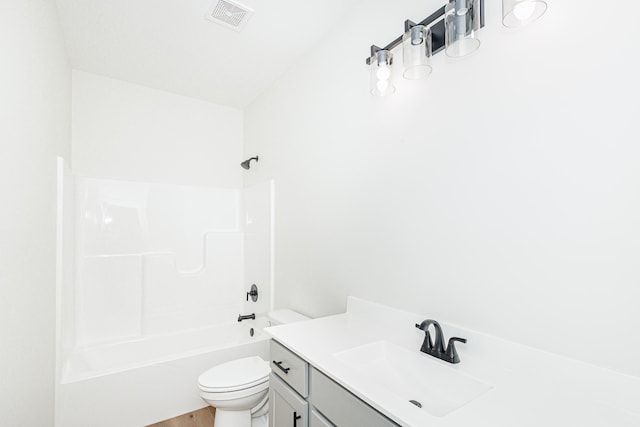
(516, 13)
(383, 73)
(381, 61)
(383, 85)
(524, 10)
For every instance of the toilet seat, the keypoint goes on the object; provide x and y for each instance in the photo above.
(236, 375)
(232, 395)
(241, 387)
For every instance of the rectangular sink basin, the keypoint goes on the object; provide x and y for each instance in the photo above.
(412, 376)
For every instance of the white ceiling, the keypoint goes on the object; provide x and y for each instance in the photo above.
(170, 45)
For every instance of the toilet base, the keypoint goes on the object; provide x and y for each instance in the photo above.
(239, 419)
(232, 418)
(261, 421)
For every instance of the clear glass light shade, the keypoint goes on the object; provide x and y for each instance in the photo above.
(381, 73)
(416, 53)
(516, 13)
(462, 20)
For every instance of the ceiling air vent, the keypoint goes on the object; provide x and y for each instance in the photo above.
(230, 14)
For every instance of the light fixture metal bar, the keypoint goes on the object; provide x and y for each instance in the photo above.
(437, 31)
(433, 17)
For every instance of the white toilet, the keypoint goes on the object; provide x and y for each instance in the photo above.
(239, 389)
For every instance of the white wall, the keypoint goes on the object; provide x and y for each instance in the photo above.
(501, 194)
(129, 132)
(35, 83)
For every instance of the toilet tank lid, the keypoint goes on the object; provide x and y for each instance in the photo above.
(286, 315)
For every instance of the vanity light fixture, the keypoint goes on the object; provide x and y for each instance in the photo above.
(416, 51)
(453, 27)
(381, 61)
(462, 20)
(517, 13)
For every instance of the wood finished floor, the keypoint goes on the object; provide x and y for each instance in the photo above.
(201, 418)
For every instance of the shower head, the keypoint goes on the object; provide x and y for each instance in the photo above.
(247, 163)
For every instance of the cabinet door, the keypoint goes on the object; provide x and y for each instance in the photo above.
(317, 420)
(340, 406)
(286, 408)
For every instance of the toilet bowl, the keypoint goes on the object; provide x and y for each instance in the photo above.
(239, 389)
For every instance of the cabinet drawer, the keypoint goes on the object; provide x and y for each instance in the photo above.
(317, 420)
(291, 368)
(342, 407)
(286, 408)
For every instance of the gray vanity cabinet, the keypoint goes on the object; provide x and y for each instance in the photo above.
(302, 396)
(341, 408)
(317, 420)
(288, 388)
(287, 408)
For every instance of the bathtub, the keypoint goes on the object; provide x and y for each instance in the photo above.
(143, 381)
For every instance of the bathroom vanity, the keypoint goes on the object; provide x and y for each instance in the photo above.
(302, 396)
(365, 368)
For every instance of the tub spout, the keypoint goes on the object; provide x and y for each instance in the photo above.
(247, 317)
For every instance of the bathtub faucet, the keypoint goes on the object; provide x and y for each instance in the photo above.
(247, 317)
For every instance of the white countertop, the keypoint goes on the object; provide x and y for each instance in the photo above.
(529, 387)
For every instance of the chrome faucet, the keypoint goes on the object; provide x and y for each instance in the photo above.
(436, 348)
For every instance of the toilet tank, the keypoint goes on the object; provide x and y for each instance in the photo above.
(283, 316)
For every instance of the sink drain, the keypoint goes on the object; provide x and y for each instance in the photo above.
(415, 402)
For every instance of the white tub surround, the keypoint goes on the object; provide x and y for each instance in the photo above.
(152, 259)
(528, 387)
(152, 278)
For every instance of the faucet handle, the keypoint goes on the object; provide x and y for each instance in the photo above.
(253, 293)
(451, 352)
